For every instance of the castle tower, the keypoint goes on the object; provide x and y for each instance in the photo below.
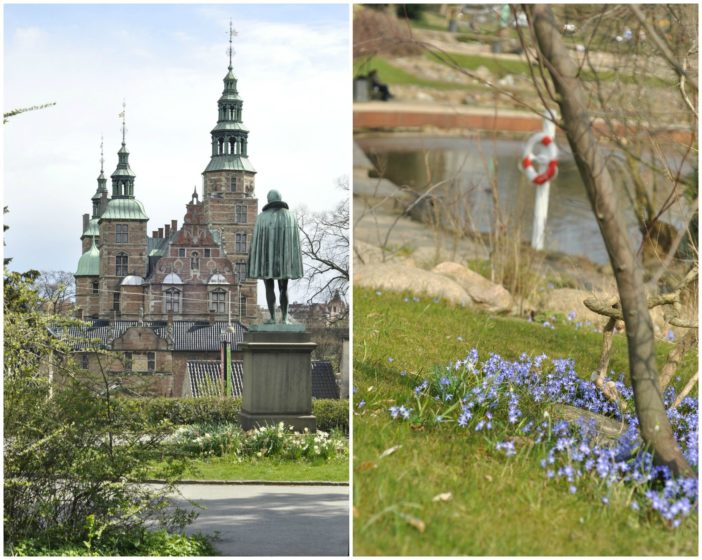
(229, 199)
(123, 244)
(99, 200)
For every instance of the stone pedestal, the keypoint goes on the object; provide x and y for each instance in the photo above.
(277, 379)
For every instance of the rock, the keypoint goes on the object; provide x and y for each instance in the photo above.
(399, 278)
(483, 73)
(486, 295)
(423, 96)
(565, 300)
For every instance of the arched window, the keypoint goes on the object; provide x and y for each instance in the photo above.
(195, 260)
(172, 301)
(217, 300)
(121, 264)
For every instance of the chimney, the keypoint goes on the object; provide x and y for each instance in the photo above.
(167, 230)
(86, 220)
(160, 233)
(154, 234)
(174, 225)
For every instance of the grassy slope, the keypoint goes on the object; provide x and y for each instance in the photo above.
(499, 507)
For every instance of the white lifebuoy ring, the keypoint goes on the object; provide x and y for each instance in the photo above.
(546, 144)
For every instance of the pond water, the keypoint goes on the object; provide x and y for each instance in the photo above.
(466, 165)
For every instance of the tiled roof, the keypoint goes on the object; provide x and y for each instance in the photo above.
(204, 376)
(323, 381)
(194, 336)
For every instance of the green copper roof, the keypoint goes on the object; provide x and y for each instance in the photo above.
(124, 209)
(89, 262)
(156, 247)
(93, 229)
(229, 125)
(229, 163)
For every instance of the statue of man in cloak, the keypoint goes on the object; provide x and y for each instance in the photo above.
(275, 252)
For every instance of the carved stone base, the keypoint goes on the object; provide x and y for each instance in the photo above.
(277, 380)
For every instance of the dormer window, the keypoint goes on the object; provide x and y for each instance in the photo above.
(217, 300)
(181, 252)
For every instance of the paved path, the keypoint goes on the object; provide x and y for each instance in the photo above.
(258, 520)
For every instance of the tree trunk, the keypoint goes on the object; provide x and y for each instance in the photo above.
(654, 425)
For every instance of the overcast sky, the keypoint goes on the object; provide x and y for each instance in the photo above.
(168, 62)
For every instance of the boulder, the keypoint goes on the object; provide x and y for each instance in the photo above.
(486, 295)
(399, 278)
(565, 300)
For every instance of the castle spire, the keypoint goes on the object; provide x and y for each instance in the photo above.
(123, 176)
(232, 33)
(230, 137)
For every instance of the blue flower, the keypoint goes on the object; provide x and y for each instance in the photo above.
(361, 404)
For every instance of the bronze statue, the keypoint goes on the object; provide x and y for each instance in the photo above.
(275, 252)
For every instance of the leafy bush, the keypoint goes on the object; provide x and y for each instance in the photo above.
(139, 543)
(331, 413)
(69, 456)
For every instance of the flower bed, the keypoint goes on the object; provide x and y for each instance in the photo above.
(513, 405)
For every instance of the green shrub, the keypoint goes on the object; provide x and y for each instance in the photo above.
(185, 410)
(135, 543)
(331, 414)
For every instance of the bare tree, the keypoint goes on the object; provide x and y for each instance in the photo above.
(325, 248)
(577, 123)
(57, 289)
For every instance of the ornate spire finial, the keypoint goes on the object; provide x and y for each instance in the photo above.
(232, 33)
(102, 156)
(124, 125)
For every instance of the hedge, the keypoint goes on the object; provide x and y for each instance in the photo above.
(330, 413)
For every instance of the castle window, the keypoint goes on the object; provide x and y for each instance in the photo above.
(115, 301)
(96, 287)
(207, 252)
(240, 269)
(240, 214)
(121, 264)
(195, 261)
(84, 361)
(128, 361)
(241, 243)
(217, 300)
(242, 312)
(151, 361)
(233, 182)
(181, 252)
(121, 233)
(172, 301)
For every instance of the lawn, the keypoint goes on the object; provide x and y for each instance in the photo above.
(392, 75)
(425, 489)
(230, 468)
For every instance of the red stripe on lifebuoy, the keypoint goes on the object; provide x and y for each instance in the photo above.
(526, 162)
(546, 175)
(546, 140)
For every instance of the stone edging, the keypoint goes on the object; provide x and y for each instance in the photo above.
(253, 482)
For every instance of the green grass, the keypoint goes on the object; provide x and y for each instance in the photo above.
(392, 75)
(274, 470)
(499, 506)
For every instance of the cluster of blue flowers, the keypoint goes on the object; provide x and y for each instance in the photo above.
(470, 394)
